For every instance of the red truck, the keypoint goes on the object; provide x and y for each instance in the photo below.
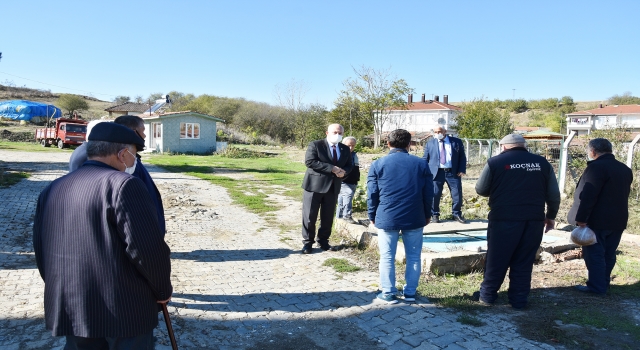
(66, 132)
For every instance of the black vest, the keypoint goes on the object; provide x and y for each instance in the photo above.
(354, 175)
(518, 185)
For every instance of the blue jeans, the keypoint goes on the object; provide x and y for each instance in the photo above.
(600, 259)
(455, 188)
(387, 243)
(345, 199)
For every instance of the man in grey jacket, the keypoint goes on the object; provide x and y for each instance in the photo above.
(518, 184)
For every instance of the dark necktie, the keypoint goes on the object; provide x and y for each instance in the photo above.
(335, 155)
(443, 153)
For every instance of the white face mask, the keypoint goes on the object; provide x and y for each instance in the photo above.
(440, 136)
(130, 170)
(334, 138)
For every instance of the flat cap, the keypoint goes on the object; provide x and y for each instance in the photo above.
(116, 133)
(512, 138)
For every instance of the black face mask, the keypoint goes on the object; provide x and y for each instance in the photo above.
(138, 147)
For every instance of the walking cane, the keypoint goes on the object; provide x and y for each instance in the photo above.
(165, 312)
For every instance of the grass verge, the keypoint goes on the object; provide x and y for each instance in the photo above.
(30, 147)
(249, 181)
(341, 265)
(9, 178)
(451, 290)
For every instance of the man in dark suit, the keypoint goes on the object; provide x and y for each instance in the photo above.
(448, 163)
(601, 202)
(99, 249)
(327, 161)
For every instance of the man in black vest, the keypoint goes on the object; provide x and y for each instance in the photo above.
(518, 184)
(601, 202)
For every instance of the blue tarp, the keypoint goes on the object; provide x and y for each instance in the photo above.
(28, 110)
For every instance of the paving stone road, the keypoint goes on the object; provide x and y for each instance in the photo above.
(236, 285)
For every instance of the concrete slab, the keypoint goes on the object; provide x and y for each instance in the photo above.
(451, 242)
(452, 247)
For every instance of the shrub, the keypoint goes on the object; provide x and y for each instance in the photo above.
(235, 152)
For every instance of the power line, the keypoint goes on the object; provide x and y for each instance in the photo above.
(63, 87)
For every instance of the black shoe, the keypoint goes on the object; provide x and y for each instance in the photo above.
(476, 297)
(306, 249)
(435, 219)
(520, 306)
(459, 219)
(326, 247)
(350, 220)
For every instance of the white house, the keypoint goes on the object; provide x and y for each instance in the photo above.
(603, 117)
(423, 116)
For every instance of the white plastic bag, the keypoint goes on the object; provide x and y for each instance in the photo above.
(583, 236)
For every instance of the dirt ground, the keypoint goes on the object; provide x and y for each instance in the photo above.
(553, 299)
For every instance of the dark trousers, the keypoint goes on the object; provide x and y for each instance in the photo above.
(455, 187)
(312, 204)
(600, 259)
(510, 245)
(141, 342)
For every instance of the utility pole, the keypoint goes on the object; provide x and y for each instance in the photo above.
(350, 133)
(514, 93)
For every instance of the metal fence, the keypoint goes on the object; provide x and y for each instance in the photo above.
(479, 150)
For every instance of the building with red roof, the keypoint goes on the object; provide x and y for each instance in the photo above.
(423, 116)
(603, 117)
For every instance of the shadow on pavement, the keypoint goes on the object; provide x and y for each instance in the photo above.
(255, 302)
(31, 166)
(16, 261)
(214, 255)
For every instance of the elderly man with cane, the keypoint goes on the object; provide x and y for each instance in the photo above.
(99, 249)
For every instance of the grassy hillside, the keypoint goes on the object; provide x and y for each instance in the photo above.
(96, 106)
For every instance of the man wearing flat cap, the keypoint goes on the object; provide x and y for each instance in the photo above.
(518, 184)
(135, 123)
(99, 249)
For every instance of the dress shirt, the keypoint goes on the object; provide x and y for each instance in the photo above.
(447, 148)
(331, 149)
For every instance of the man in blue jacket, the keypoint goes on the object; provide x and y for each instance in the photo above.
(601, 201)
(448, 163)
(400, 191)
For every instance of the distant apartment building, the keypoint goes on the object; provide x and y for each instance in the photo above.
(423, 116)
(603, 117)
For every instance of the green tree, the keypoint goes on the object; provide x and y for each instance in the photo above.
(155, 96)
(480, 119)
(567, 105)
(624, 99)
(310, 123)
(121, 99)
(376, 92)
(348, 113)
(72, 103)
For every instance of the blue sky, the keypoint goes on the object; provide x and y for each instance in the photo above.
(589, 50)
